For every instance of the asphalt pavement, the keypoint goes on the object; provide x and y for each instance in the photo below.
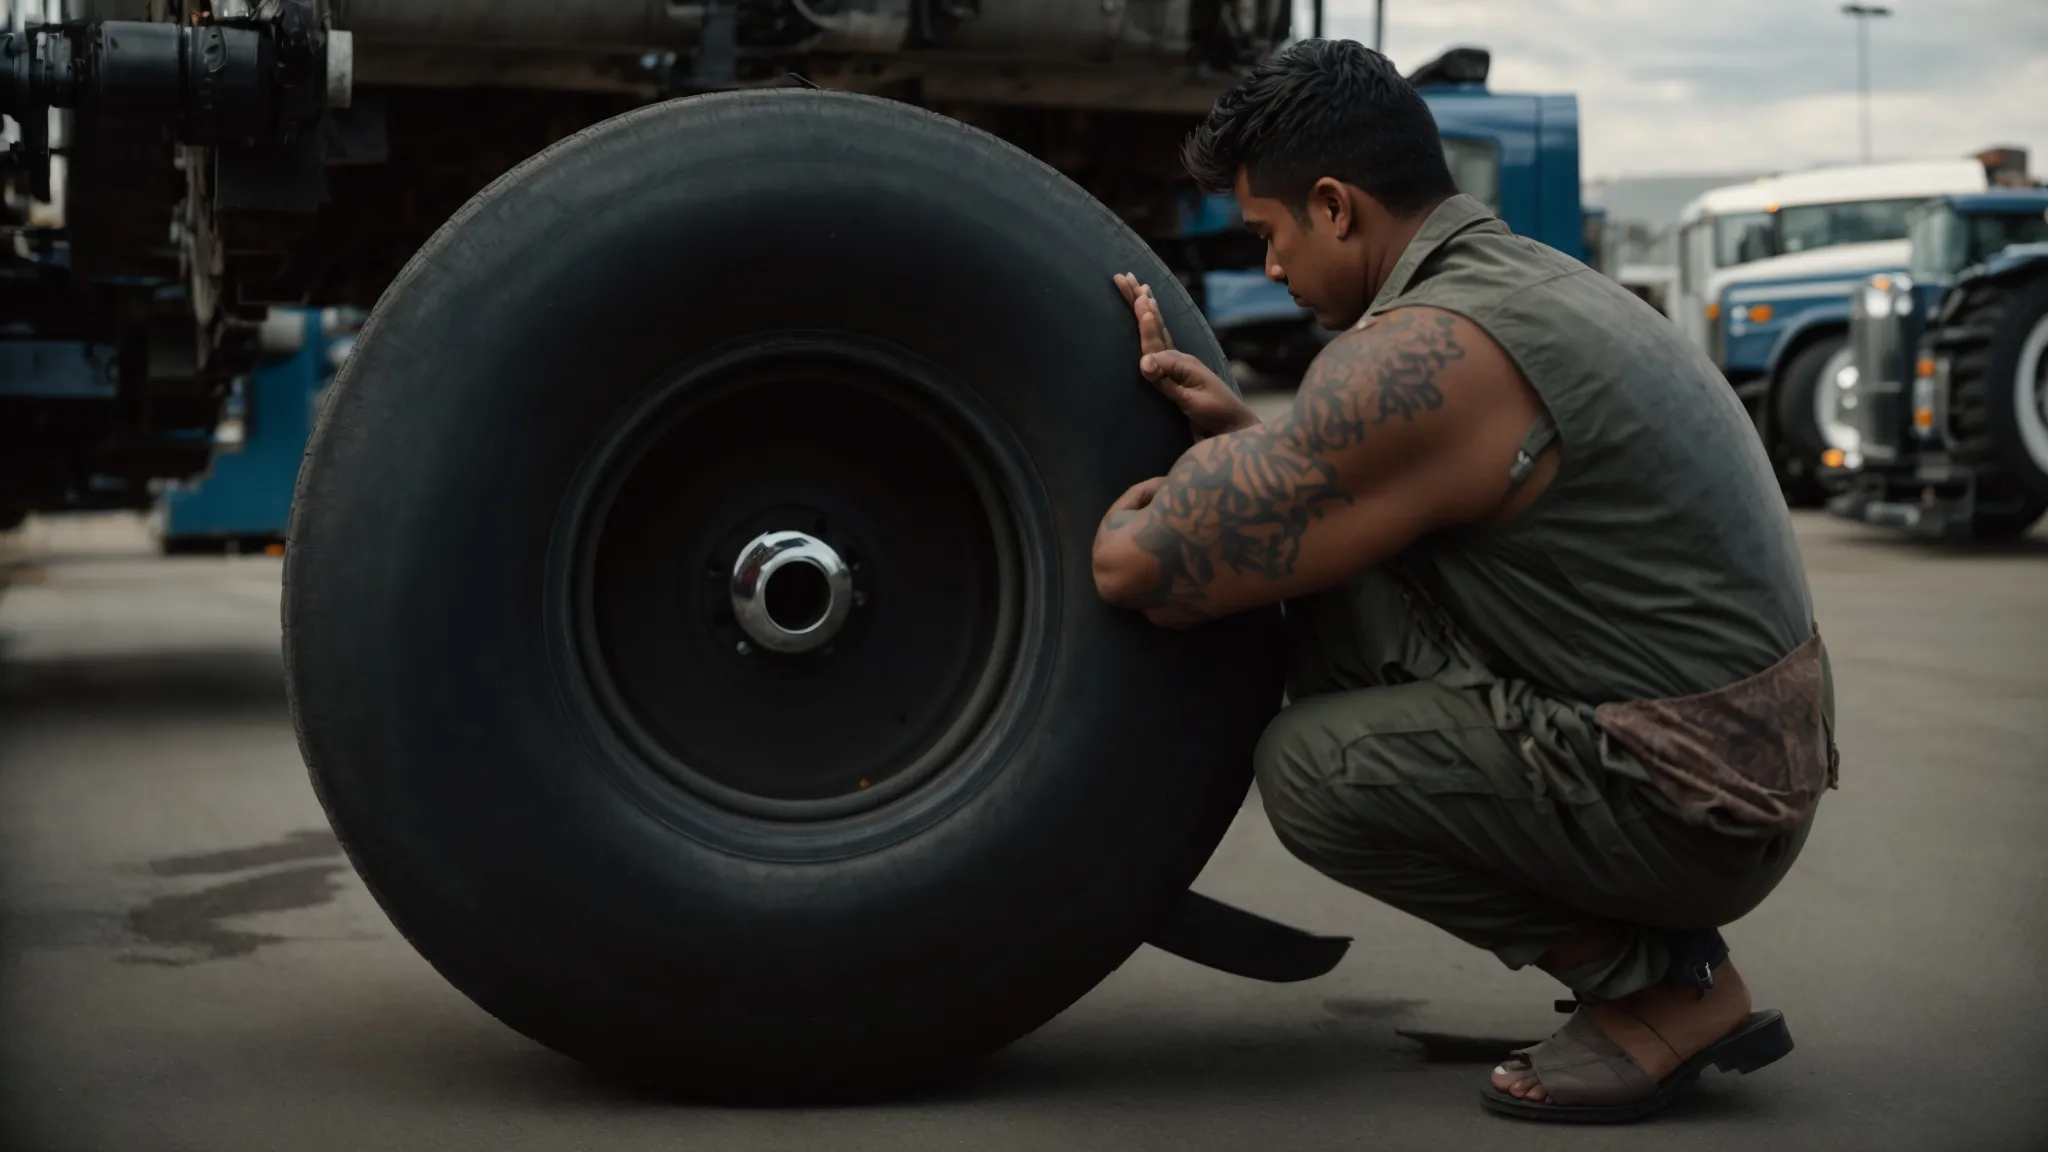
(187, 961)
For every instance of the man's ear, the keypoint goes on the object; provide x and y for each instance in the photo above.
(1329, 200)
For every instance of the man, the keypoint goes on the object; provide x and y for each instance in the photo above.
(1556, 684)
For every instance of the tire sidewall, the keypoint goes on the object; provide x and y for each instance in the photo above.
(2026, 313)
(1794, 406)
(1796, 443)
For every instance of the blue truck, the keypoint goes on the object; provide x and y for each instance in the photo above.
(1945, 405)
(1767, 271)
(1516, 153)
(243, 501)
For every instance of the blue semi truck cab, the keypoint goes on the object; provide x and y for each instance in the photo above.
(1516, 153)
(1945, 403)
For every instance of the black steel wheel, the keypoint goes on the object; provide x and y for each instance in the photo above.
(688, 611)
(813, 641)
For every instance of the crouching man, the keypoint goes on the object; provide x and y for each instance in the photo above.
(1556, 683)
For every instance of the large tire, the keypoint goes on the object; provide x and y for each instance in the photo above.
(1996, 345)
(516, 683)
(1797, 420)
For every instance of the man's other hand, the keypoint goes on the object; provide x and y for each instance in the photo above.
(1208, 402)
(1137, 496)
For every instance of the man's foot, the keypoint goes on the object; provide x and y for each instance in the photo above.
(1661, 1027)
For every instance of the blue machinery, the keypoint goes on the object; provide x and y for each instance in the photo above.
(244, 500)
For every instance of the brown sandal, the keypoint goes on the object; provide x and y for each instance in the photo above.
(1589, 1079)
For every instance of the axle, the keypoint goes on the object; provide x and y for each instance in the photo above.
(259, 80)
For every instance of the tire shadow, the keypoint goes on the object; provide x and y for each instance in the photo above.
(1169, 1066)
(1139, 1055)
(424, 1051)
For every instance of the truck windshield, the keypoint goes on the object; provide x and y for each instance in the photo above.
(1946, 242)
(1988, 234)
(1475, 168)
(1742, 237)
(1938, 244)
(1810, 226)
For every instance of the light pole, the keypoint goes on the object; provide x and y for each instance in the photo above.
(1863, 14)
(1379, 26)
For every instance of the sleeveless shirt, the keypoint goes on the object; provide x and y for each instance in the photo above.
(1661, 560)
(1656, 583)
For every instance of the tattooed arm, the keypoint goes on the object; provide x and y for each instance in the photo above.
(1400, 429)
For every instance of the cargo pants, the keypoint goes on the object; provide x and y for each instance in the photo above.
(1406, 769)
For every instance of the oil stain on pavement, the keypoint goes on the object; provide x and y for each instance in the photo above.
(189, 926)
(312, 844)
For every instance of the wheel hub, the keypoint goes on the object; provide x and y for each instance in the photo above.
(791, 592)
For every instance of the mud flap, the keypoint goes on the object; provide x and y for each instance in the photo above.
(1216, 935)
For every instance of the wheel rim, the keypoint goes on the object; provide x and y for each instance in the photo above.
(1837, 376)
(2030, 394)
(795, 591)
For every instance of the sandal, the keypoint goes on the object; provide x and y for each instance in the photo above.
(1589, 1079)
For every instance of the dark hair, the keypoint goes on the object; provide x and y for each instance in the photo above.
(1323, 108)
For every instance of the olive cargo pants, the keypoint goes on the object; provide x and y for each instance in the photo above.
(1404, 768)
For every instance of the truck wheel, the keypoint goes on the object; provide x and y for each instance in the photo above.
(1996, 345)
(689, 619)
(1808, 405)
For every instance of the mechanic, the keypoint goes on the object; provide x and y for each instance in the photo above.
(1556, 685)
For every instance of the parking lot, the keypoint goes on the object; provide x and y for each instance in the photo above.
(190, 963)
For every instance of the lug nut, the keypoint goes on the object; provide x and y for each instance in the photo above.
(743, 648)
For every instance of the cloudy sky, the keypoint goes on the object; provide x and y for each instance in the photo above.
(1684, 86)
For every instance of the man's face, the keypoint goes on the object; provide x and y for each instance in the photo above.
(1321, 259)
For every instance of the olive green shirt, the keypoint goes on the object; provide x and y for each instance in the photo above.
(1660, 561)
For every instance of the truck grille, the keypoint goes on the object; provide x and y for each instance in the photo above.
(1876, 406)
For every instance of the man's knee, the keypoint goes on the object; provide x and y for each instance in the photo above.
(1289, 769)
(1296, 764)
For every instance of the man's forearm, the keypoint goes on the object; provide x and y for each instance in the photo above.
(1141, 561)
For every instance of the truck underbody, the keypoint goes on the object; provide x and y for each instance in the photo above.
(216, 158)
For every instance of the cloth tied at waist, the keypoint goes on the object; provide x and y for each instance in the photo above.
(1761, 750)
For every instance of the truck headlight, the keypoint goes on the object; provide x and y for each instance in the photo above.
(1877, 302)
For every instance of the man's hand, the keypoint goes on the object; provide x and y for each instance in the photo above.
(1136, 499)
(1207, 401)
